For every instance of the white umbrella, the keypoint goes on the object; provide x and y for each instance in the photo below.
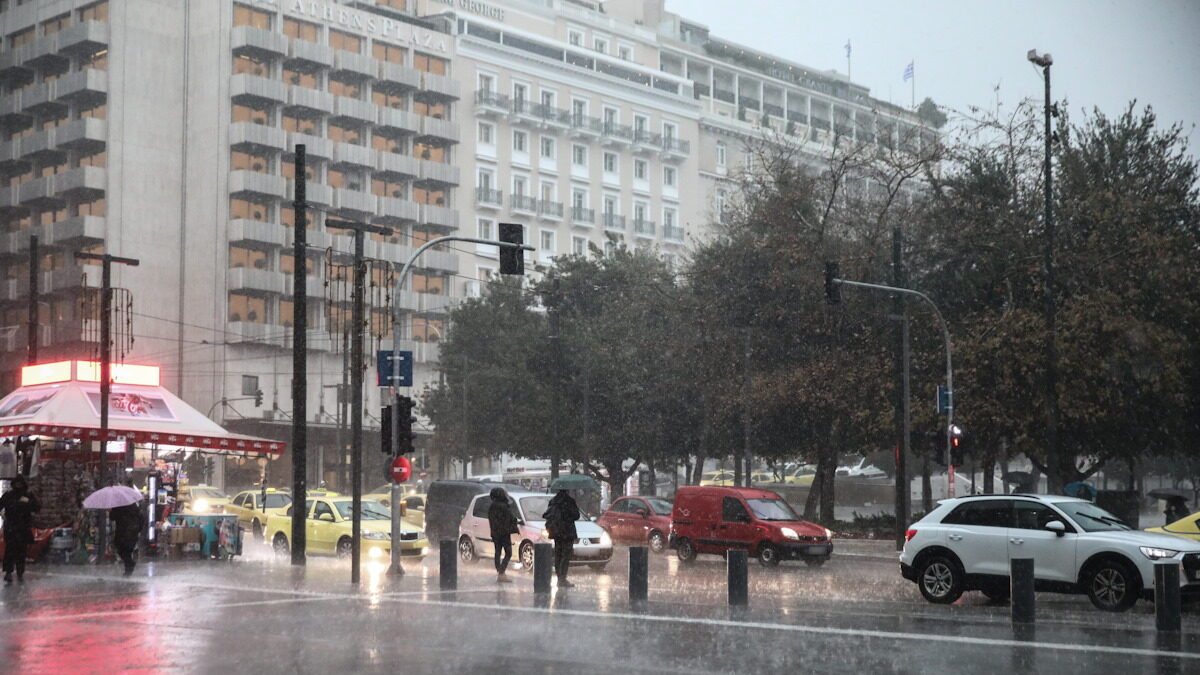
(111, 497)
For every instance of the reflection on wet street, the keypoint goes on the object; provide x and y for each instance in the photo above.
(854, 614)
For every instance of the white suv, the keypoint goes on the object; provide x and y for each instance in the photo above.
(966, 544)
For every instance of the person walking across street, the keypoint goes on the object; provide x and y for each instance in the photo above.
(503, 525)
(127, 524)
(17, 506)
(560, 521)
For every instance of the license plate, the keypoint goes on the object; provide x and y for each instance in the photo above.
(816, 550)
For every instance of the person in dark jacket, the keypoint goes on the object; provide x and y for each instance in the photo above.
(560, 521)
(503, 525)
(18, 506)
(127, 528)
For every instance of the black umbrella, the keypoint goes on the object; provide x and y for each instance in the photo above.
(1170, 493)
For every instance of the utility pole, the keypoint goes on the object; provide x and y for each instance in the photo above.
(31, 354)
(903, 420)
(356, 385)
(106, 262)
(747, 455)
(299, 358)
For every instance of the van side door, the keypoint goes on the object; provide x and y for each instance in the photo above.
(736, 529)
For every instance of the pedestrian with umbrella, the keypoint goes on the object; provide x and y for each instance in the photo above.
(18, 506)
(560, 515)
(121, 500)
(503, 524)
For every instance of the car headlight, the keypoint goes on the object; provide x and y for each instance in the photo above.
(789, 533)
(201, 506)
(545, 533)
(828, 533)
(605, 540)
(376, 535)
(1156, 553)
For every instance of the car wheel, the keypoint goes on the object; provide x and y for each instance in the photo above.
(345, 548)
(768, 555)
(997, 592)
(815, 562)
(658, 543)
(280, 546)
(466, 550)
(685, 550)
(940, 580)
(525, 555)
(257, 528)
(1112, 586)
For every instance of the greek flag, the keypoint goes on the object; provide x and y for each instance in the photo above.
(908, 71)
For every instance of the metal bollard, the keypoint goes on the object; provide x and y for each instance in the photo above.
(739, 590)
(639, 573)
(1167, 605)
(543, 567)
(1022, 590)
(448, 565)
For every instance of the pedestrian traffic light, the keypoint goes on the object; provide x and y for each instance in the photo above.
(258, 398)
(406, 424)
(512, 258)
(385, 430)
(957, 448)
(832, 292)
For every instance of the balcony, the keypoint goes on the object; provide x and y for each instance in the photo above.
(491, 104)
(256, 42)
(42, 99)
(43, 53)
(673, 233)
(353, 200)
(41, 146)
(253, 135)
(522, 204)
(88, 37)
(583, 216)
(397, 79)
(724, 95)
(10, 109)
(83, 86)
(255, 282)
(437, 173)
(354, 65)
(488, 198)
(400, 121)
(550, 210)
(643, 228)
(348, 154)
(83, 135)
(83, 182)
(309, 54)
(310, 100)
(437, 88)
(617, 134)
(402, 167)
(584, 126)
(315, 193)
(675, 149)
(436, 131)
(353, 109)
(314, 146)
(73, 232)
(255, 91)
(613, 222)
(646, 142)
(551, 117)
(11, 162)
(257, 232)
(256, 185)
(439, 216)
(398, 211)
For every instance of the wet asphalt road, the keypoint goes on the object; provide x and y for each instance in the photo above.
(257, 615)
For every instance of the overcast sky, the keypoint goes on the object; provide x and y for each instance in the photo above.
(1106, 52)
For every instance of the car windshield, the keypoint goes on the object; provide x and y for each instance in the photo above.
(772, 509)
(276, 500)
(534, 507)
(370, 510)
(661, 507)
(207, 493)
(1092, 518)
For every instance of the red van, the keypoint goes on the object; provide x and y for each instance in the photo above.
(712, 519)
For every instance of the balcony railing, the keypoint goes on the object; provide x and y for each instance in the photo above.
(486, 98)
(549, 209)
(618, 131)
(522, 203)
(586, 124)
(581, 214)
(644, 227)
(488, 196)
(724, 95)
(672, 233)
(613, 221)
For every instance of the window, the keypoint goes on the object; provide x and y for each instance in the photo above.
(95, 12)
(547, 147)
(485, 229)
(548, 98)
(579, 108)
(94, 159)
(721, 155)
(288, 164)
(401, 5)
(641, 124)
(300, 78)
(21, 37)
(983, 512)
(625, 53)
(610, 117)
(640, 169)
(520, 186)
(520, 92)
(322, 510)
(247, 308)
(1034, 516)
(345, 134)
(579, 155)
(669, 130)
(484, 180)
(639, 211)
(520, 141)
(548, 241)
(424, 109)
(345, 41)
(95, 61)
(387, 100)
(347, 89)
(600, 45)
(248, 210)
(575, 37)
(719, 206)
(386, 143)
(429, 197)
(93, 208)
(387, 53)
(733, 511)
(386, 188)
(249, 161)
(610, 204)
(485, 133)
(487, 83)
(668, 176)
(578, 198)
(610, 162)
(610, 247)
(249, 385)
(244, 63)
(480, 509)
(668, 218)
(747, 159)
(240, 256)
(245, 16)
(300, 124)
(430, 64)
(301, 30)
(56, 24)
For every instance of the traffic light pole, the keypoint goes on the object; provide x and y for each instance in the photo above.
(949, 366)
(396, 569)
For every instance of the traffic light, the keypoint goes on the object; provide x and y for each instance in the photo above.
(832, 291)
(957, 448)
(385, 430)
(512, 259)
(406, 424)
(258, 398)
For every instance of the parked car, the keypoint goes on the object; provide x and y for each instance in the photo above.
(252, 510)
(329, 530)
(593, 547)
(1187, 527)
(639, 521)
(966, 544)
(201, 499)
(448, 500)
(712, 519)
(721, 477)
(802, 475)
(861, 470)
(414, 504)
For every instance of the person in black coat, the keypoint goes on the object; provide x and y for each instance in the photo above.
(127, 524)
(18, 506)
(560, 516)
(503, 525)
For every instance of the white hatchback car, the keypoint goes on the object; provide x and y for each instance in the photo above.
(593, 547)
(967, 543)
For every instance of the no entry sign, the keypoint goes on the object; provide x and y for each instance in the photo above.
(401, 469)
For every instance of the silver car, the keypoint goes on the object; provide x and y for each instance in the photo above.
(593, 547)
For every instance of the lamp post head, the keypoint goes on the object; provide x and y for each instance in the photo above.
(1043, 60)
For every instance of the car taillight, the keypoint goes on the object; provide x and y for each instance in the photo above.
(908, 535)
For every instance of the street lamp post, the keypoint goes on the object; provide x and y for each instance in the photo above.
(1044, 61)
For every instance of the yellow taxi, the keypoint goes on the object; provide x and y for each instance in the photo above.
(723, 478)
(202, 499)
(1187, 527)
(252, 509)
(414, 503)
(328, 528)
(803, 475)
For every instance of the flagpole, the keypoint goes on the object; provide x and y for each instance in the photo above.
(848, 72)
(913, 63)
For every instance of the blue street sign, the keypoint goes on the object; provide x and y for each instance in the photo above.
(944, 399)
(384, 368)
